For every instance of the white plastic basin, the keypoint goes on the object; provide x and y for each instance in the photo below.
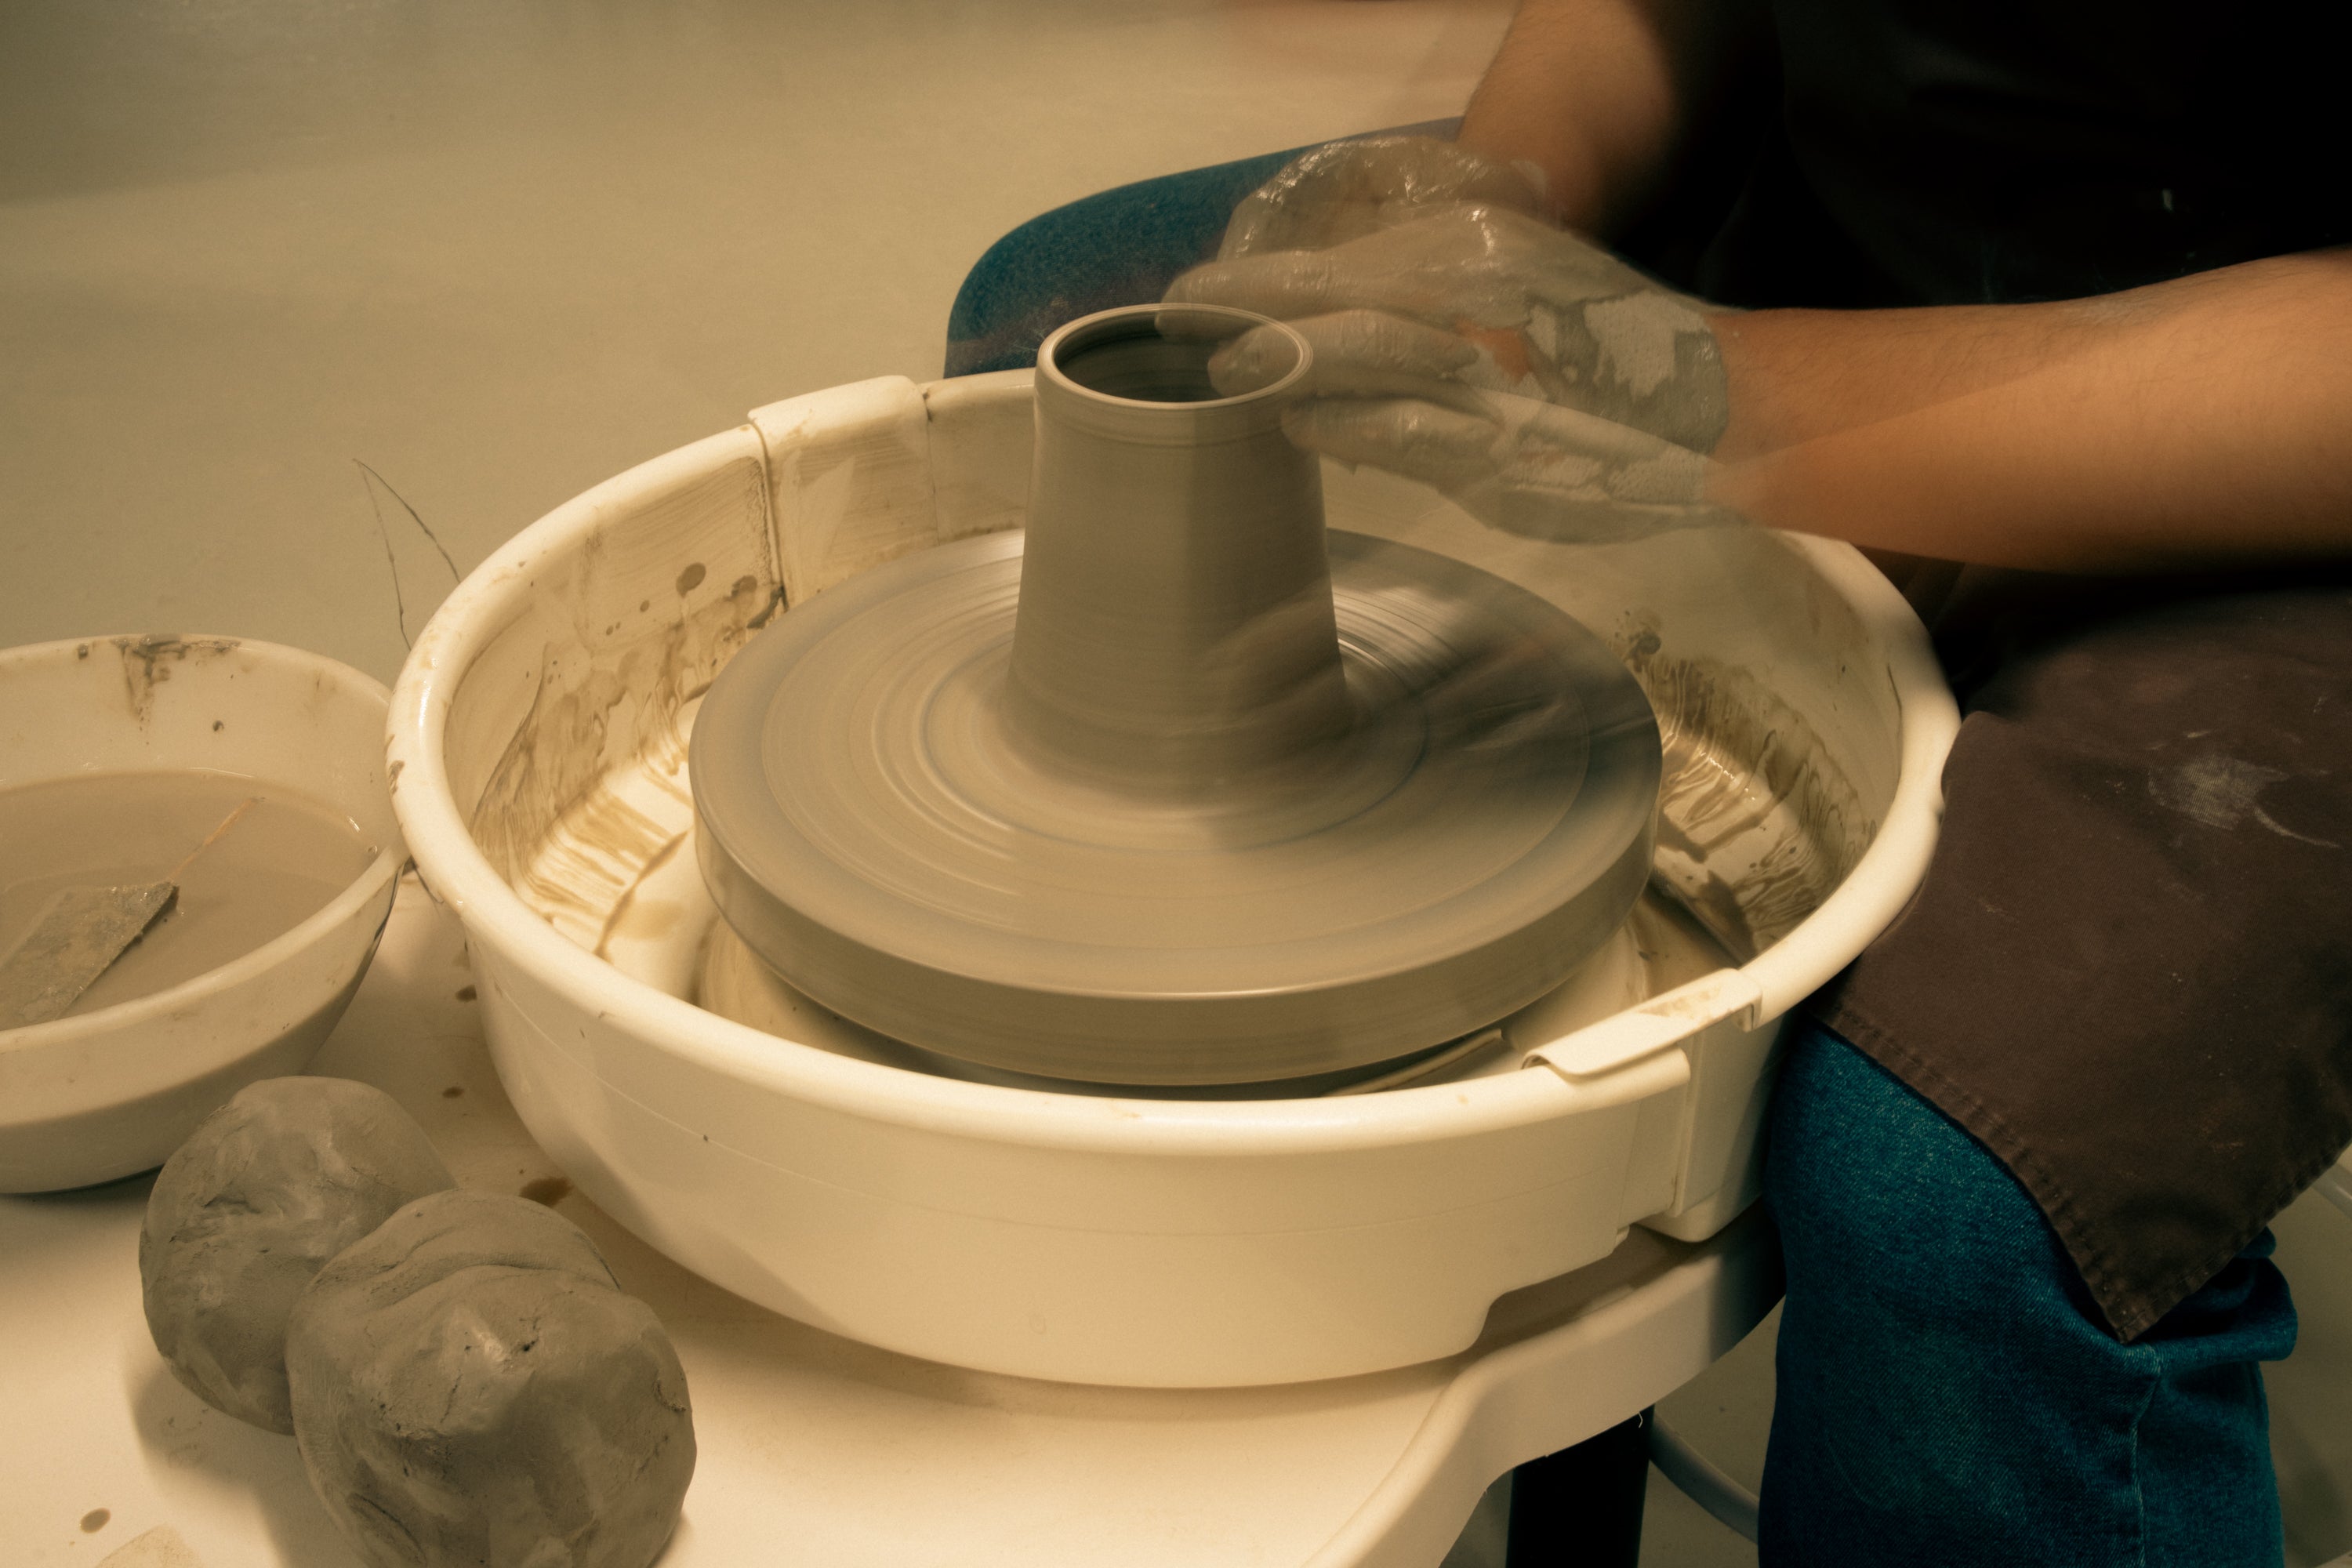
(536, 754)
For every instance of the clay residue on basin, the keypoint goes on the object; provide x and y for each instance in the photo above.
(1756, 823)
(617, 644)
(148, 662)
(580, 867)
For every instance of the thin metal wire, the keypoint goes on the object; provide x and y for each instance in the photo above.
(1695, 1476)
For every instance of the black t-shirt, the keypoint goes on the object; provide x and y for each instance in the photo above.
(1946, 151)
(2130, 970)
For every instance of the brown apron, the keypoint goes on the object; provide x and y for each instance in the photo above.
(2130, 970)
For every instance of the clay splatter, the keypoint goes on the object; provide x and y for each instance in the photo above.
(148, 662)
(628, 902)
(548, 1189)
(1756, 826)
(95, 1520)
(2221, 792)
(583, 718)
(594, 856)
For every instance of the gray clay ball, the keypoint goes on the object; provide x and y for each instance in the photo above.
(471, 1387)
(268, 1188)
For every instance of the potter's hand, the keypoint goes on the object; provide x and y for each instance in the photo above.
(1528, 468)
(1349, 189)
(1549, 387)
(1486, 299)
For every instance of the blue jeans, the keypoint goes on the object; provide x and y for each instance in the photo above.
(1948, 1394)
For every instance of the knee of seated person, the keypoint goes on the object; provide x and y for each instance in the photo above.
(1872, 1185)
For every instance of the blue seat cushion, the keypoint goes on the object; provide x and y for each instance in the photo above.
(1119, 246)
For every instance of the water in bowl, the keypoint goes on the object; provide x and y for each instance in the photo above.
(283, 860)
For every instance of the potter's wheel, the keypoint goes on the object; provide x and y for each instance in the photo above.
(1355, 832)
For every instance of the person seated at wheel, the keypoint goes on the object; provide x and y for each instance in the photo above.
(2025, 301)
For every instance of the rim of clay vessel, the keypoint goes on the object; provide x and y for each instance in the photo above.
(1140, 373)
(390, 856)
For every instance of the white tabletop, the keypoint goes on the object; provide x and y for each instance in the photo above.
(847, 1455)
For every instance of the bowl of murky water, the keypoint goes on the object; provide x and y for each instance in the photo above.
(197, 854)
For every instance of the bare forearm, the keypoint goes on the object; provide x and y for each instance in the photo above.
(1598, 94)
(2203, 421)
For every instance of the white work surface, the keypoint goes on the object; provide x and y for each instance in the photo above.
(814, 1449)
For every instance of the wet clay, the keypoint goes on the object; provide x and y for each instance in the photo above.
(266, 1189)
(470, 1387)
(581, 718)
(1180, 788)
(284, 859)
(1753, 831)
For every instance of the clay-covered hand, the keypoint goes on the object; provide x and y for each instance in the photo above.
(1517, 464)
(1542, 383)
(1345, 190)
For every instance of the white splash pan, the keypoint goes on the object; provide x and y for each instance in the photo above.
(537, 752)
